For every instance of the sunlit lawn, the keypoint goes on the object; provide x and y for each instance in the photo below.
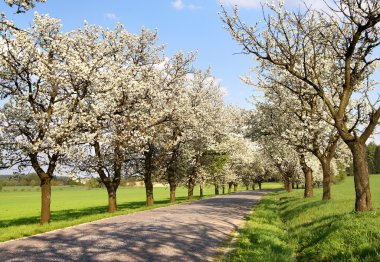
(287, 227)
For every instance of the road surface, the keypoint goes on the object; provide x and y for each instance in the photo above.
(186, 232)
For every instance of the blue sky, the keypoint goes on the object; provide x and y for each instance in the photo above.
(187, 25)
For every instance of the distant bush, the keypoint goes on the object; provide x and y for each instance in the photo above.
(94, 183)
(342, 173)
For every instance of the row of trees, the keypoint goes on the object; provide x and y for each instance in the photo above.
(316, 69)
(111, 104)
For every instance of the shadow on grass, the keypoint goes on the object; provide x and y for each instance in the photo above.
(72, 214)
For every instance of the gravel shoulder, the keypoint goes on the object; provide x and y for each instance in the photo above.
(186, 232)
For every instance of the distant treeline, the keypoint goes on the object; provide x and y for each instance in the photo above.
(33, 180)
(373, 160)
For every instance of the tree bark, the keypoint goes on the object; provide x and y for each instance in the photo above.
(149, 189)
(45, 200)
(112, 206)
(326, 183)
(253, 186)
(363, 201)
(235, 187)
(45, 178)
(308, 173)
(148, 181)
(172, 193)
(190, 188)
(259, 182)
(288, 184)
(172, 184)
(229, 187)
(201, 190)
(223, 189)
(216, 189)
(193, 176)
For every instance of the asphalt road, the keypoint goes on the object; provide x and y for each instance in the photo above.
(185, 232)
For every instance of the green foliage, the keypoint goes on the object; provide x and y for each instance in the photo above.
(371, 149)
(316, 230)
(342, 173)
(94, 183)
(214, 163)
(377, 160)
(32, 179)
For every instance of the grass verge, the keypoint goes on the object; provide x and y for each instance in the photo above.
(287, 227)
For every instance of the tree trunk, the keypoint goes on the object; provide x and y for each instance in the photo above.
(308, 173)
(235, 187)
(288, 184)
(112, 206)
(326, 183)
(172, 183)
(193, 176)
(201, 190)
(216, 189)
(247, 187)
(253, 186)
(148, 181)
(259, 184)
(149, 190)
(223, 189)
(190, 188)
(363, 200)
(229, 187)
(45, 200)
(173, 187)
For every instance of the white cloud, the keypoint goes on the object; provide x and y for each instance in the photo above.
(111, 16)
(180, 5)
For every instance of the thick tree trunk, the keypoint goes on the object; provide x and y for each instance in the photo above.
(112, 206)
(259, 184)
(230, 187)
(149, 190)
(288, 184)
(45, 178)
(173, 187)
(201, 190)
(326, 183)
(216, 189)
(308, 173)
(172, 183)
(45, 200)
(190, 188)
(363, 200)
(148, 181)
(235, 187)
(253, 186)
(193, 176)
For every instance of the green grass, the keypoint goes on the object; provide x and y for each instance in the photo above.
(287, 227)
(20, 206)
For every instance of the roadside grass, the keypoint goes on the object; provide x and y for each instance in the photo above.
(287, 227)
(20, 206)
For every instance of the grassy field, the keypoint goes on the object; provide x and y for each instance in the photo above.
(287, 227)
(20, 206)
